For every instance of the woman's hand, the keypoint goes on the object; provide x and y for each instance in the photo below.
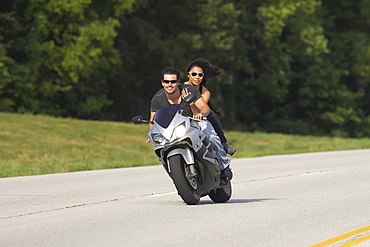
(184, 93)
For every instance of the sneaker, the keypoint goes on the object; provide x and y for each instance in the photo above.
(226, 174)
(229, 149)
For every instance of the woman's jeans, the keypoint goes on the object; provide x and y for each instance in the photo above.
(209, 131)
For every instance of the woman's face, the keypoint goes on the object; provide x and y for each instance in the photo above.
(195, 76)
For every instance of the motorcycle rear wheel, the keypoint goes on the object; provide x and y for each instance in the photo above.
(188, 187)
(222, 194)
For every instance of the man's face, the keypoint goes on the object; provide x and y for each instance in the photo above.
(170, 83)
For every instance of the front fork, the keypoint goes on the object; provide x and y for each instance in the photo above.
(188, 157)
(193, 172)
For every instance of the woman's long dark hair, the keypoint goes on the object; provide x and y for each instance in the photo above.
(210, 72)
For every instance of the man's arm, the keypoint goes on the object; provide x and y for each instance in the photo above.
(203, 108)
(206, 97)
(151, 119)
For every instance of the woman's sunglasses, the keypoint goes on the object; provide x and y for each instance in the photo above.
(169, 81)
(193, 74)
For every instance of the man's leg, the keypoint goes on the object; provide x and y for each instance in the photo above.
(210, 132)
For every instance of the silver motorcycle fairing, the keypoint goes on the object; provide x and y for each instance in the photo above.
(168, 132)
(194, 145)
(186, 153)
(193, 133)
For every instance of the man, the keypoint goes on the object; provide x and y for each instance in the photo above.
(172, 93)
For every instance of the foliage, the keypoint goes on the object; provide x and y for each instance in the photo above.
(291, 66)
(62, 56)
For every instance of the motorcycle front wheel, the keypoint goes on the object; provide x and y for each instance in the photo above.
(187, 186)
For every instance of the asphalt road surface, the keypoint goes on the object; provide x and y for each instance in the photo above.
(287, 200)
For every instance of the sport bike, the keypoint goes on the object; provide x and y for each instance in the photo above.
(187, 154)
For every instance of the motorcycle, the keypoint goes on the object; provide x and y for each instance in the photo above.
(187, 154)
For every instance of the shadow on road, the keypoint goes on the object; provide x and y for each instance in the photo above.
(204, 202)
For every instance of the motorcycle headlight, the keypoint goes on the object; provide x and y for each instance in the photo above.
(158, 138)
(180, 130)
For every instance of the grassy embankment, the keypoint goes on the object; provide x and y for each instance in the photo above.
(31, 145)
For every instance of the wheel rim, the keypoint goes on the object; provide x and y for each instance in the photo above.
(193, 181)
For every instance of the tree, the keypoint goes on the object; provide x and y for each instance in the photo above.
(164, 34)
(291, 66)
(347, 25)
(64, 53)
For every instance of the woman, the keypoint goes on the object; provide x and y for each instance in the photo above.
(198, 72)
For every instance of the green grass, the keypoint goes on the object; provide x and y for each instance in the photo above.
(32, 145)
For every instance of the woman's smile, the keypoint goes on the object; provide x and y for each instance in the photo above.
(195, 80)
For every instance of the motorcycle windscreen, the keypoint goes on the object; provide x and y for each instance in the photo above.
(165, 115)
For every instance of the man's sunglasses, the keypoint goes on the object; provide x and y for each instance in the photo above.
(169, 81)
(193, 74)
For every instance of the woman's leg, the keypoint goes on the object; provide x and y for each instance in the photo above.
(216, 123)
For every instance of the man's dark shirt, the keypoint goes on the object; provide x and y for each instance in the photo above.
(159, 100)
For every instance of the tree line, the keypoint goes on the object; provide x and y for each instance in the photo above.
(291, 66)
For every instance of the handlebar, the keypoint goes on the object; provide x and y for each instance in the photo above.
(195, 119)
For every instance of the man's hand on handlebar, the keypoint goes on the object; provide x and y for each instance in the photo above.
(199, 116)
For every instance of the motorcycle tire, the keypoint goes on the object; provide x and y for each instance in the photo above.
(188, 187)
(222, 194)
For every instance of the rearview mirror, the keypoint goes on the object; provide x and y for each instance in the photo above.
(139, 120)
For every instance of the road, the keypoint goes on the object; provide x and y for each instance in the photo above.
(285, 200)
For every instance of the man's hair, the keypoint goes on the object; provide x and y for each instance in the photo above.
(171, 71)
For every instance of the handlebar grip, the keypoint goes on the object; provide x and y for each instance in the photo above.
(195, 119)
